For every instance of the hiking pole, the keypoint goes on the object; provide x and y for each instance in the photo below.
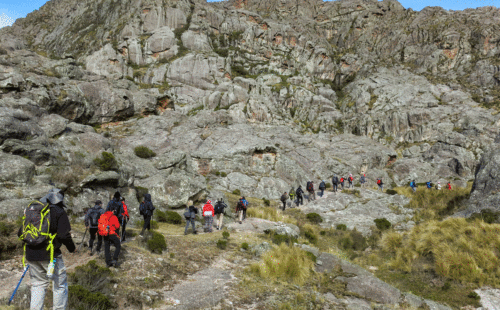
(85, 233)
(123, 229)
(18, 284)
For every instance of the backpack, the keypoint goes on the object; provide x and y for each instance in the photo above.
(350, 179)
(219, 208)
(94, 217)
(335, 180)
(341, 180)
(103, 226)
(36, 227)
(283, 198)
(187, 214)
(240, 205)
(379, 182)
(142, 208)
(310, 186)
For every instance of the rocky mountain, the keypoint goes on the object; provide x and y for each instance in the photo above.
(256, 96)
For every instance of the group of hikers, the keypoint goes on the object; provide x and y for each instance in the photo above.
(209, 211)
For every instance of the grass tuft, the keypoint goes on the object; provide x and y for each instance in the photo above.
(144, 152)
(270, 214)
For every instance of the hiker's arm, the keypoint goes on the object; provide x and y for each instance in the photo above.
(64, 233)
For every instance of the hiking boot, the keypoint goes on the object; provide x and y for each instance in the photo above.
(91, 253)
(195, 232)
(240, 222)
(115, 264)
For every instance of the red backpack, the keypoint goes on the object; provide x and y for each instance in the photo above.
(103, 228)
(379, 181)
(341, 180)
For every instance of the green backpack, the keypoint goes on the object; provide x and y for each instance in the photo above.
(36, 227)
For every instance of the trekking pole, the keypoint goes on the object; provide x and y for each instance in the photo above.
(84, 234)
(123, 232)
(18, 284)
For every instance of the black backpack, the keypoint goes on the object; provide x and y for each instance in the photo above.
(219, 208)
(335, 180)
(94, 215)
(310, 186)
(240, 205)
(187, 214)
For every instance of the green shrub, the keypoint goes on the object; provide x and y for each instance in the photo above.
(140, 192)
(342, 227)
(311, 236)
(446, 286)
(311, 256)
(279, 239)
(91, 276)
(81, 298)
(144, 152)
(217, 173)
(245, 246)
(225, 234)
(323, 232)
(6, 228)
(223, 174)
(358, 240)
(157, 243)
(267, 203)
(107, 162)
(486, 215)
(314, 218)
(473, 295)
(237, 192)
(357, 185)
(391, 192)
(170, 217)
(382, 224)
(222, 244)
(328, 185)
(345, 243)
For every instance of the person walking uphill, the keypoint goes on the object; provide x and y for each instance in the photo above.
(335, 183)
(92, 222)
(240, 207)
(44, 252)
(283, 200)
(292, 195)
(125, 219)
(190, 216)
(208, 214)
(322, 187)
(146, 209)
(299, 192)
(219, 210)
(109, 228)
(310, 190)
(115, 205)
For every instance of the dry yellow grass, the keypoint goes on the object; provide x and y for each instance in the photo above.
(461, 250)
(271, 214)
(286, 263)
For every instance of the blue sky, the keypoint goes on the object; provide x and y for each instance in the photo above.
(10, 10)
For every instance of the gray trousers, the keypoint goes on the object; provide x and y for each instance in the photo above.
(189, 221)
(40, 282)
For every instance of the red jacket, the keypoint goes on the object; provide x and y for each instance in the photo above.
(125, 212)
(208, 208)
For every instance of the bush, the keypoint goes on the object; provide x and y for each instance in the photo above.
(245, 246)
(107, 162)
(486, 215)
(311, 237)
(222, 244)
(144, 152)
(357, 185)
(81, 298)
(91, 276)
(270, 214)
(267, 203)
(358, 240)
(157, 243)
(170, 217)
(342, 227)
(237, 192)
(140, 192)
(314, 218)
(345, 243)
(288, 263)
(391, 192)
(382, 224)
(6, 228)
(223, 174)
(473, 295)
(225, 235)
(323, 232)
(328, 185)
(279, 239)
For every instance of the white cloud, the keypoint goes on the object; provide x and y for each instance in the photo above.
(5, 20)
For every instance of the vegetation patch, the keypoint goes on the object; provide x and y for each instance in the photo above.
(107, 162)
(140, 192)
(81, 298)
(288, 263)
(222, 244)
(157, 244)
(314, 218)
(382, 224)
(170, 217)
(245, 246)
(237, 192)
(144, 152)
(270, 214)
(342, 227)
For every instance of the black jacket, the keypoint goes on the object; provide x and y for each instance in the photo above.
(87, 215)
(299, 192)
(117, 207)
(322, 185)
(148, 206)
(59, 224)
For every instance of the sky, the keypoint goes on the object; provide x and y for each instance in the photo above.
(10, 10)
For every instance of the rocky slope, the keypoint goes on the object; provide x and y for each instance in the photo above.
(270, 94)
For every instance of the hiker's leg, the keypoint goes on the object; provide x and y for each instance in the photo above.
(240, 215)
(147, 223)
(187, 226)
(60, 285)
(92, 233)
(192, 224)
(107, 253)
(123, 230)
(99, 243)
(39, 283)
(221, 220)
(116, 242)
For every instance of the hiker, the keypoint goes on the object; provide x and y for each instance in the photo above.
(190, 216)
(208, 214)
(322, 187)
(380, 184)
(245, 202)
(310, 190)
(125, 219)
(116, 206)
(362, 180)
(448, 185)
(350, 179)
(146, 209)
(45, 258)
(438, 186)
(429, 185)
(283, 199)
(92, 222)
(299, 192)
(335, 183)
(413, 186)
(292, 196)
(240, 206)
(109, 228)
(342, 180)
(219, 210)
